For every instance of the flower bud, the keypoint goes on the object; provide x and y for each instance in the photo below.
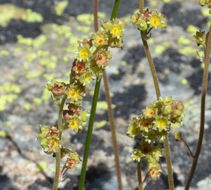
(142, 25)
(200, 38)
(57, 88)
(66, 115)
(73, 109)
(203, 2)
(79, 67)
(178, 136)
(102, 58)
(154, 173)
(72, 160)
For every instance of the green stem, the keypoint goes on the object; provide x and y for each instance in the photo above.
(110, 112)
(92, 115)
(58, 153)
(203, 101)
(157, 89)
(115, 9)
(89, 134)
(139, 176)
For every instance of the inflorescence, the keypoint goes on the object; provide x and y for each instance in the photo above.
(148, 20)
(157, 120)
(206, 3)
(90, 61)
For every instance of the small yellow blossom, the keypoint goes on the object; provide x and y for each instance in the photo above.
(74, 124)
(154, 173)
(74, 94)
(155, 21)
(149, 111)
(84, 53)
(161, 123)
(100, 39)
(53, 143)
(116, 31)
(87, 78)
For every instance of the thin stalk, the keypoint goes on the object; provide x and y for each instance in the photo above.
(157, 89)
(203, 101)
(89, 134)
(92, 114)
(139, 176)
(110, 112)
(189, 150)
(141, 5)
(58, 153)
(169, 165)
(113, 132)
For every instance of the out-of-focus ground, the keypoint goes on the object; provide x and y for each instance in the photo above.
(37, 44)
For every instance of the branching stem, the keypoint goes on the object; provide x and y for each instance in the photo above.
(58, 153)
(157, 89)
(203, 101)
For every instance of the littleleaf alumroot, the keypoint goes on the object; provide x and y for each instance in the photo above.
(91, 59)
(147, 20)
(157, 121)
(152, 127)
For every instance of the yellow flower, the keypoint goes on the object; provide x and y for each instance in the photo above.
(155, 21)
(149, 111)
(116, 31)
(74, 94)
(100, 39)
(74, 124)
(53, 143)
(161, 123)
(84, 53)
(154, 173)
(86, 78)
(133, 130)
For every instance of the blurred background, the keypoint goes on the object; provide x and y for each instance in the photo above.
(38, 39)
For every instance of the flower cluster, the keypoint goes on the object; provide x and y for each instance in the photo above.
(206, 2)
(148, 20)
(90, 61)
(153, 125)
(200, 38)
(49, 139)
(72, 160)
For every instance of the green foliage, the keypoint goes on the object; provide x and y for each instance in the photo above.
(102, 105)
(4, 53)
(8, 94)
(159, 49)
(9, 12)
(101, 124)
(31, 16)
(60, 7)
(183, 40)
(33, 74)
(42, 166)
(88, 19)
(4, 134)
